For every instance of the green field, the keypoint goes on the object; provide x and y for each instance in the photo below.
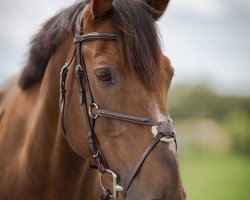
(213, 177)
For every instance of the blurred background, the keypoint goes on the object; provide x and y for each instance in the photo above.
(208, 43)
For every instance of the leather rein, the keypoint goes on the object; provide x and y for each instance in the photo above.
(92, 112)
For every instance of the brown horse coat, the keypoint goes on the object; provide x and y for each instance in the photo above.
(36, 162)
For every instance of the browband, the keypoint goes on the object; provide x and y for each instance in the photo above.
(95, 36)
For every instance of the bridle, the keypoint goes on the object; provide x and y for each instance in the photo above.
(92, 112)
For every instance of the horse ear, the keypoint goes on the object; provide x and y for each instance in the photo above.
(158, 6)
(101, 7)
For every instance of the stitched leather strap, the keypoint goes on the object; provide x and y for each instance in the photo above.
(84, 89)
(63, 77)
(95, 36)
(140, 162)
(126, 117)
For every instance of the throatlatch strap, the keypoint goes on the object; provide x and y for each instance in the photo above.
(63, 78)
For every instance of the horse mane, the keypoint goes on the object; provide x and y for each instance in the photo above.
(137, 39)
(45, 43)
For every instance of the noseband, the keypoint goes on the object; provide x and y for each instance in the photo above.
(92, 112)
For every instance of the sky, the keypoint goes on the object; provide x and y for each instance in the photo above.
(208, 41)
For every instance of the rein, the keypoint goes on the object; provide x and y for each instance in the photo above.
(92, 112)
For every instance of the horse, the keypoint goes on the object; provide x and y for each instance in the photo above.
(117, 141)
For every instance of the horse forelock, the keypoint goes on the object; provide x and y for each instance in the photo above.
(138, 40)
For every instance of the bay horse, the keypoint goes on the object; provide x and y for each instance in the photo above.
(117, 142)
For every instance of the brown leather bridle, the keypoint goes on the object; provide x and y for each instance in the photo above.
(92, 112)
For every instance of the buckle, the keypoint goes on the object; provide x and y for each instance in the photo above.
(93, 107)
(116, 187)
(63, 77)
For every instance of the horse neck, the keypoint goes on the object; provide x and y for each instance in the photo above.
(68, 173)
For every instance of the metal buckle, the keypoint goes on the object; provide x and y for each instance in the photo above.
(97, 154)
(91, 108)
(116, 187)
(63, 77)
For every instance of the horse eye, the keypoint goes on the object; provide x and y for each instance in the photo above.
(104, 75)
